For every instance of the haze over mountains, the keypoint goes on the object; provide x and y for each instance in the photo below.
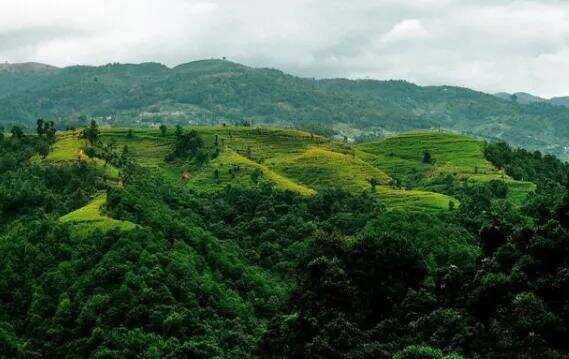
(215, 91)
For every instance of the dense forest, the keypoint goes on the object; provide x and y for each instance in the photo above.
(216, 91)
(257, 271)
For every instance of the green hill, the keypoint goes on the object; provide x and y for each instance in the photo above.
(304, 163)
(457, 156)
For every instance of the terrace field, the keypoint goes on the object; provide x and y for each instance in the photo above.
(304, 163)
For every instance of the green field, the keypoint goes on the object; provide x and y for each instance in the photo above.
(90, 217)
(459, 156)
(303, 163)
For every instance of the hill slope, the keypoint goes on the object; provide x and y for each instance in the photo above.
(303, 163)
(454, 158)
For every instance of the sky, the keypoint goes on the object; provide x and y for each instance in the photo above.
(488, 45)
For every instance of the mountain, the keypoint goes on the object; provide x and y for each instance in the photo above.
(216, 91)
(560, 101)
(520, 97)
(526, 98)
(27, 67)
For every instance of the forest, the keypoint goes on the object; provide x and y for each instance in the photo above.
(259, 257)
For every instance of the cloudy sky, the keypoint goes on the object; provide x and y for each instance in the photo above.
(489, 45)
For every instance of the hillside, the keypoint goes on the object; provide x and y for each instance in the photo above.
(454, 159)
(216, 91)
(304, 163)
(244, 242)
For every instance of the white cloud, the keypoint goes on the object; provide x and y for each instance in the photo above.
(404, 31)
(491, 45)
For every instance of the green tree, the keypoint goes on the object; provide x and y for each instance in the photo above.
(427, 157)
(43, 149)
(17, 132)
(163, 130)
(179, 131)
(91, 152)
(256, 176)
(373, 183)
(91, 133)
(187, 145)
(40, 127)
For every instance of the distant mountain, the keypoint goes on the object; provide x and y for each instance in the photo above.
(520, 97)
(560, 101)
(26, 67)
(214, 91)
(526, 98)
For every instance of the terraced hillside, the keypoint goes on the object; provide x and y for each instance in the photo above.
(304, 163)
(453, 157)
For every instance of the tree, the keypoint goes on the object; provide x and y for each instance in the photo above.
(427, 157)
(163, 130)
(40, 127)
(373, 183)
(256, 176)
(91, 133)
(17, 132)
(179, 131)
(49, 131)
(202, 157)
(91, 152)
(186, 145)
(43, 149)
(108, 153)
(498, 188)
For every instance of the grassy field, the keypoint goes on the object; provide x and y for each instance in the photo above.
(462, 157)
(451, 153)
(304, 163)
(67, 148)
(228, 159)
(319, 168)
(89, 217)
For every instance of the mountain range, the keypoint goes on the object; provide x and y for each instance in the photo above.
(221, 91)
(527, 98)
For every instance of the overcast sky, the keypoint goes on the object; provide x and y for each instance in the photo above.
(489, 45)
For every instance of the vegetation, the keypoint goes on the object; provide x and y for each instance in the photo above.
(219, 91)
(280, 244)
(440, 162)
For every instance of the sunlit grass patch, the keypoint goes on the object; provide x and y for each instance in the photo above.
(90, 217)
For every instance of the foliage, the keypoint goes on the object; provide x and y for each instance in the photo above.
(113, 255)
